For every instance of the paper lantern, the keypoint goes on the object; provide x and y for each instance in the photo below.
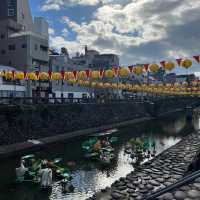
(107, 85)
(71, 81)
(32, 76)
(187, 63)
(8, 75)
(56, 76)
(123, 72)
(154, 68)
(19, 76)
(43, 76)
(68, 75)
(100, 85)
(169, 66)
(94, 74)
(137, 70)
(114, 86)
(109, 74)
(82, 75)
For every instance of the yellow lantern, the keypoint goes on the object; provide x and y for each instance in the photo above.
(123, 72)
(94, 74)
(109, 74)
(71, 81)
(86, 83)
(187, 63)
(19, 76)
(100, 85)
(93, 84)
(44, 76)
(169, 66)
(107, 85)
(9, 75)
(68, 75)
(82, 75)
(154, 68)
(32, 76)
(114, 86)
(56, 76)
(137, 70)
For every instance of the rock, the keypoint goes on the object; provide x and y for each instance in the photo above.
(179, 195)
(161, 180)
(167, 183)
(131, 186)
(149, 187)
(154, 183)
(197, 185)
(116, 195)
(167, 196)
(193, 193)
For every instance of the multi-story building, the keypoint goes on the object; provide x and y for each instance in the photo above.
(24, 43)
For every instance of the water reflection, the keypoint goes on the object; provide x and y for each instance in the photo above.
(89, 177)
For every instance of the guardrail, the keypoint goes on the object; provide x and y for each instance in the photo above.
(48, 100)
(185, 180)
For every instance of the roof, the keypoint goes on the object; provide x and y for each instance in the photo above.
(7, 68)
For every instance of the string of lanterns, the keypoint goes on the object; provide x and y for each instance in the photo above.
(91, 78)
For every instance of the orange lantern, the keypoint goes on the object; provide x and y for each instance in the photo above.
(169, 66)
(137, 70)
(43, 76)
(19, 75)
(56, 76)
(94, 74)
(32, 76)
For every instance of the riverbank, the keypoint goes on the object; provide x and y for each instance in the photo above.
(25, 147)
(160, 172)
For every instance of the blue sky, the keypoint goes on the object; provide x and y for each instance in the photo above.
(139, 31)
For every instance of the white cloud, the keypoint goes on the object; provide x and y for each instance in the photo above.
(51, 31)
(139, 30)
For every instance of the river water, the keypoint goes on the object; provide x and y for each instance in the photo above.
(89, 177)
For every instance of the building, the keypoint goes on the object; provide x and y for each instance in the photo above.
(24, 43)
(10, 88)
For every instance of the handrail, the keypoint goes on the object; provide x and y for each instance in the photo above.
(183, 181)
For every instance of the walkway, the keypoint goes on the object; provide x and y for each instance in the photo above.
(158, 173)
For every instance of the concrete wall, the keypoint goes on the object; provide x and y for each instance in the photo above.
(20, 123)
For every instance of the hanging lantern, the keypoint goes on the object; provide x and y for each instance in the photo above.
(9, 75)
(114, 86)
(109, 74)
(19, 76)
(169, 66)
(123, 72)
(107, 85)
(43, 76)
(93, 84)
(187, 63)
(154, 68)
(32, 76)
(68, 75)
(100, 85)
(94, 74)
(56, 76)
(81, 83)
(137, 70)
(82, 75)
(71, 81)
(86, 83)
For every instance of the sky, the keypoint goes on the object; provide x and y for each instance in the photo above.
(139, 31)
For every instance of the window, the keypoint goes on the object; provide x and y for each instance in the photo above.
(11, 8)
(3, 52)
(43, 48)
(24, 46)
(36, 47)
(11, 47)
(2, 36)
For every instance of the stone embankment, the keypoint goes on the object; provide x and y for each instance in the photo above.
(164, 170)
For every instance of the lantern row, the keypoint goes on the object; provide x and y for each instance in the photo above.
(121, 72)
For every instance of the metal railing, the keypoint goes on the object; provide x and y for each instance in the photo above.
(185, 180)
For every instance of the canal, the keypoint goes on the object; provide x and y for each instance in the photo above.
(89, 177)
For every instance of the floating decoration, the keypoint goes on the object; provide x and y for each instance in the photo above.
(123, 72)
(137, 70)
(169, 66)
(94, 74)
(43, 76)
(109, 74)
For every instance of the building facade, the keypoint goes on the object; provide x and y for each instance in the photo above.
(24, 43)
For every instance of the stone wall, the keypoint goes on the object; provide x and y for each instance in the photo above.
(19, 123)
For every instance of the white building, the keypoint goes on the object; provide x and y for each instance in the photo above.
(10, 88)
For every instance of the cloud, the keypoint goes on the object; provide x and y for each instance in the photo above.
(139, 30)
